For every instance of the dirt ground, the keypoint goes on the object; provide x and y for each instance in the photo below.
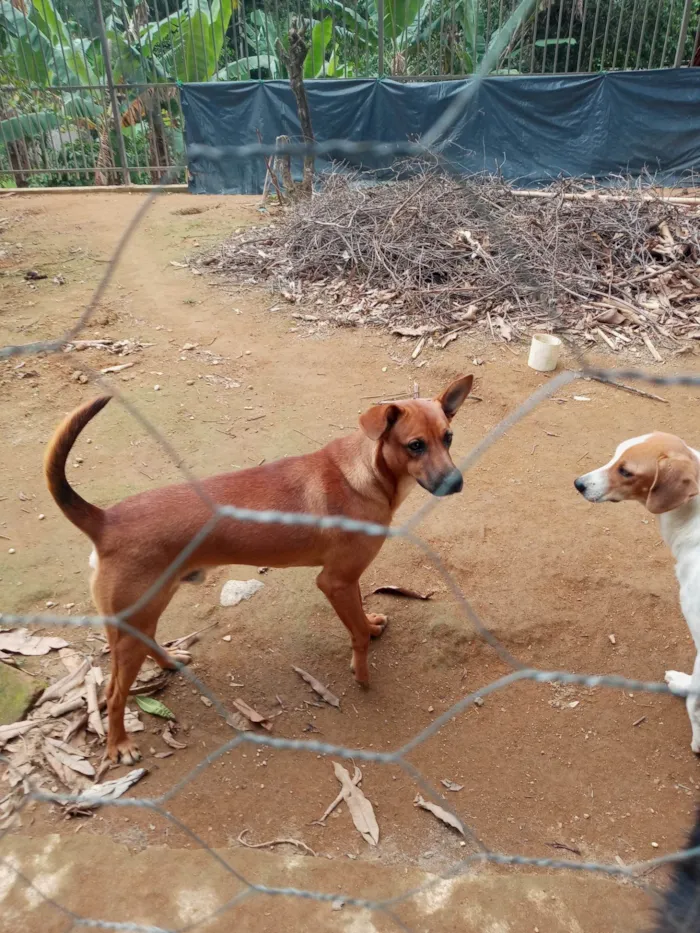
(607, 773)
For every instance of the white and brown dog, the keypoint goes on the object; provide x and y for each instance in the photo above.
(663, 473)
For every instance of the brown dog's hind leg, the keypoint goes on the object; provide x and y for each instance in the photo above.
(346, 599)
(128, 651)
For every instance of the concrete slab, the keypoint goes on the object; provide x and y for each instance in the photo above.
(164, 889)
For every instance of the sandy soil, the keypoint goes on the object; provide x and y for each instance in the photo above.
(605, 772)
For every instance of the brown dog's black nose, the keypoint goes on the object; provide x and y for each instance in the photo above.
(449, 484)
(580, 485)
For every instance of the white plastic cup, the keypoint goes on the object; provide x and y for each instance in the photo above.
(544, 353)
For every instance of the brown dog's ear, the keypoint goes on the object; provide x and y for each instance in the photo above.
(379, 419)
(454, 395)
(675, 483)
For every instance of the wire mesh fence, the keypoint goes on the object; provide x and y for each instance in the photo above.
(89, 90)
(478, 852)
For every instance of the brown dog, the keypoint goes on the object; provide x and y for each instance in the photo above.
(364, 476)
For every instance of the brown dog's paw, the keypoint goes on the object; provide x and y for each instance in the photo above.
(125, 752)
(360, 669)
(182, 657)
(377, 623)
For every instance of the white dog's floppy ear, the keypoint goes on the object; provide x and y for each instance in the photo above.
(379, 419)
(675, 483)
(452, 398)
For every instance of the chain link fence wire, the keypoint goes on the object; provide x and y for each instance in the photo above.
(480, 853)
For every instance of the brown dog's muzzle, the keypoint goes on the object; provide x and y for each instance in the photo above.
(447, 484)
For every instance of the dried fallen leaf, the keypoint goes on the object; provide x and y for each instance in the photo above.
(401, 591)
(360, 808)
(154, 707)
(439, 812)
(252, 714)
(356, 778)
(65, 775)
(11, 731)
(238, 722)
(318, 687)
(163, 754)
(63, 686)
(92, 678)
(70, 757)
(98, 794)
(19, 641)
(450, 785)
(169, 738)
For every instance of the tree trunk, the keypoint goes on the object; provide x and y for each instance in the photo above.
(294, 60)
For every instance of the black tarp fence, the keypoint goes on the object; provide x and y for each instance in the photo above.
(530, 129)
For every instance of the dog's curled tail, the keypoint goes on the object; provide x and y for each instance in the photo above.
(89, 518)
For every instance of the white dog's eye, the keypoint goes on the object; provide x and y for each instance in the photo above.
(623, 472)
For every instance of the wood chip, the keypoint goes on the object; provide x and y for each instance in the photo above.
(318, 687)
(253, 715)
(450, 785)
(418, 349)
(274, 842)
(168, 737)
(652, 349)
(188, 640)
(360, 808)
(118, 369)
(449, 818)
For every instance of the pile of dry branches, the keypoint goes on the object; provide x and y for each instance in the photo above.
(439, 255)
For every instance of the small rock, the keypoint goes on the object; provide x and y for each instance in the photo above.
(50, 604)
(190, 346)
(612, 639)
(206, 701)
(79, 376)
(78, 460)
(573, 704)
(69, 605)
(235, 591)
(337, 904)
(11, 551)
(478, 701)
(156, 388)
(226, 638)
(42, 517)
(431, 709)
(190, 382)
(655, 845)
(263, 569)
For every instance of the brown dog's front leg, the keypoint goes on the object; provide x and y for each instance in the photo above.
(346, 600)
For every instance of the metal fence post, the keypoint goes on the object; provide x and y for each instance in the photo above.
(126, 177)
(682, 35)
(380, 37)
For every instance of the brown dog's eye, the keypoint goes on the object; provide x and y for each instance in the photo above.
(623, 472)
(417, 446)
(447, 439)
